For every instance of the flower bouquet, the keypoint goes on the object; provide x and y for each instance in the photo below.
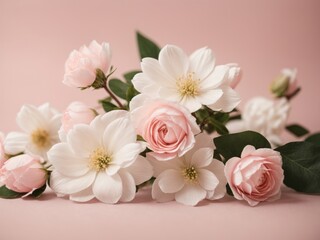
(172, 126)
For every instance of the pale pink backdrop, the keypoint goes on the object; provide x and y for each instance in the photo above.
(36, 37)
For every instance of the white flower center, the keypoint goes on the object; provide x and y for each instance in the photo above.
(40, 138)
(190, 173)
(99, 160)
(188, 85)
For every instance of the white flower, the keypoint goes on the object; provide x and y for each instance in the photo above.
(264, 116)
(192, 81)
(190, 178)
(100, 160)
(40, 127)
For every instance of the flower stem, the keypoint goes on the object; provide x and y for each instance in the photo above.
(112, 95)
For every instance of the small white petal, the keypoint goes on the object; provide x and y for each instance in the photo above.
(202, 157)
(190, 195)
(209, 97)
(118, 133)
(112, 169)
(82, 196)
(228, 101)
(82, 140)
(107, 189)
(207, 180)
(174, 61)
(67, 162)
(191, 103)
(153, 71)
(158, 195)
(171, 181)
(67, 185)
(127, 154)
(202, 62)
(128, 186)
(15, 143)
(141, 170)
(30, 118)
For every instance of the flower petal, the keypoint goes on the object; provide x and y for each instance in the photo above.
(65, 161)
(174, 61)
(158, 195)
(15, 143)
(191, 103)
(228, 101)
(141, 170)
(107, 189)
(127, 154)
(67, 185)
(209, 97)
(202, 157)
(202, 62)
(30, 118)
(128, 186)
(207, 180)
(190, 195)
(153, 71)
(82, 196)
(171, 181)
(118, 133)
(82, 140)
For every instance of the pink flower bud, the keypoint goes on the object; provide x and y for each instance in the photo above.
(82, 65)
(234, 74)
(23, 174)
(76, 113)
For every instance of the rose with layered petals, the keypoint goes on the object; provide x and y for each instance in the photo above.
(190, 178)
(81, 66)
(167, 127)
(100, 160)
(256, 176)
(192, 80)
(76, 113)
(23, 174)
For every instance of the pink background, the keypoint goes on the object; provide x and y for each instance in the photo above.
(36, 37)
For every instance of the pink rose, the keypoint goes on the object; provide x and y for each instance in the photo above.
(81, 66)
(23, 174)
(167, 127)
(256, 176)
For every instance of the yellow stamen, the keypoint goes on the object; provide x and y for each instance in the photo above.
(190, 174)
(99, 160)
(41, 138)
(188, 85)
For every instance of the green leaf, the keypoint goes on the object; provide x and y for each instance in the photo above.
(147, 48)
(131, 92)
(231, 145)
(36, 193)
(108, 106)
(229, 191)
(297, 130)
(129, 76)
(118, 87)
(219, 127)
(9, 194)
(314, 138)
(301, 165)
